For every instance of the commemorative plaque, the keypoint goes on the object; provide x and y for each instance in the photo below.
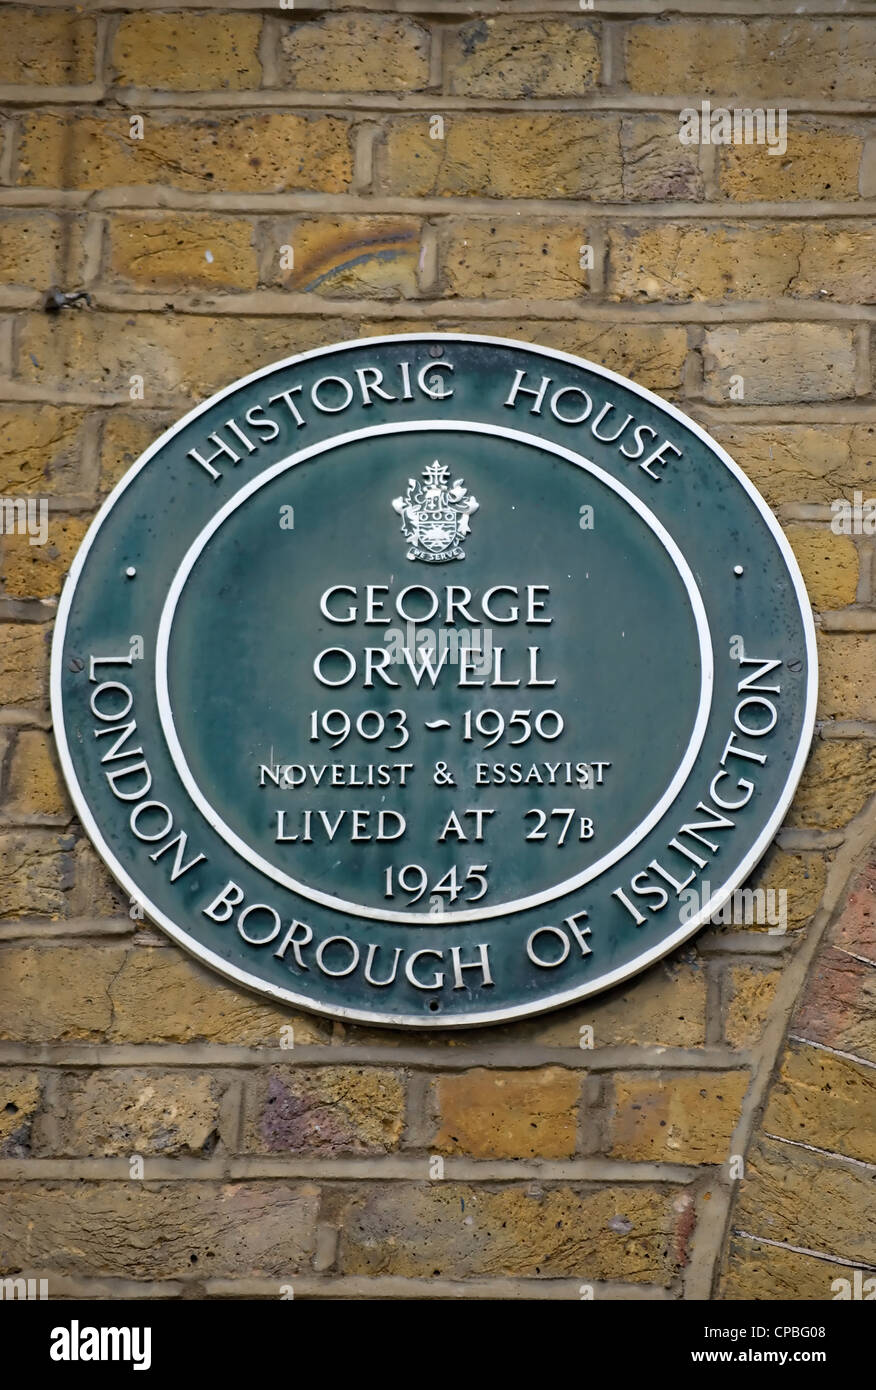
(433, 680)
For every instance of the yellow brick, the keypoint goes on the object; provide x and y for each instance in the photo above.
(657, 168)
(125, 1112)
(633, 1233)
(682, 262)
(355, 53)
(825, 1100)
(503, 156)
(636, 1012)
(508, 258)
(801, 875)
(95, 892)
(829, 565)
(47, 47)
(40, 447)
(779, 362)
(508, 1114)
(653, 353)
(678, 262)
(331, 1110)
(35, 786)
(819, 163)
(34, 875)
(126, 435)
(185, 355)
(847, 675)
(347, 257)
(187, 250)
(808, 1200)
(188, 52)
(24, 664)
(163, 1230)
(803, 463)
(38, 571)
(663, 1007)
(20, 1095)
(839, 778)
(757, 1270)
(260, 153)
(162, 995)
(29, 246)
(751, 997)
(512, 56)
(838, 262)
(687, 1118)
(753, 58)
(52, 992)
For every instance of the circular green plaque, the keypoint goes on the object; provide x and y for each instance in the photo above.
(433, 680)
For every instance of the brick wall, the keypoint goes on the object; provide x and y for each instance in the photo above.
(714, 1140)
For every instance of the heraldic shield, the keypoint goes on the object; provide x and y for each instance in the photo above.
(435, 516)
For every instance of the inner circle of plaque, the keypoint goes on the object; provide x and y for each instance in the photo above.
(611, 635)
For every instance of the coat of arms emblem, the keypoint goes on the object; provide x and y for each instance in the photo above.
(435, 515)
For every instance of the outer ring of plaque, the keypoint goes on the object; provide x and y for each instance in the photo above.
(547, 1002)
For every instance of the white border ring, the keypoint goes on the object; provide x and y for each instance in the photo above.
(598, 983)
(246, 851)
